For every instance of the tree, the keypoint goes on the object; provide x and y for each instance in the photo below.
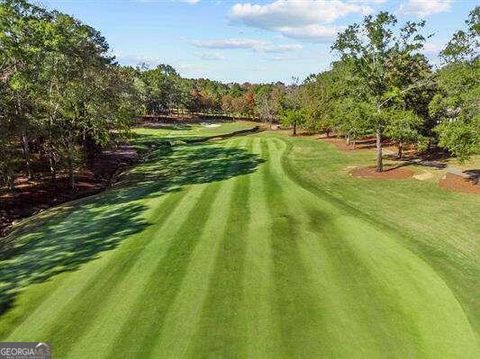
(61, 94)
(456, 106)
(293, 117)
(163, 89)
(403, 127)
(327, 93)
(292, 112)
(268, 103)
(352, 118)
(373, 48)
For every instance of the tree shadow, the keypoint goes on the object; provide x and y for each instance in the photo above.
(167, 126)
(474, 175)
(74, 234)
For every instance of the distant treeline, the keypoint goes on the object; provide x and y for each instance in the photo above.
(63, 97)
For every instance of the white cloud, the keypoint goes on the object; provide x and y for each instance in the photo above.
(229, 43)
(191, 2)
(308, 19)
(423, 8)
(252, 44)
(212, 56)
(310, 32)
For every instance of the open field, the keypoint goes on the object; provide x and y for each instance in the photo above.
(254, 246)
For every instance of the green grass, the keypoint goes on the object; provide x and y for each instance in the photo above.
(182, 131)
(255, 246)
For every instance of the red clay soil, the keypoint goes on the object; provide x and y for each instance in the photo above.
(389, 173)
(452, 182)
(32, 196)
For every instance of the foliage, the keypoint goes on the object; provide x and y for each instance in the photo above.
(456, 106)
(381, 55)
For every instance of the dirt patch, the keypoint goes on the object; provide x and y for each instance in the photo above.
(389, 173)
(451, 182)
(423, 176)
(33, 196)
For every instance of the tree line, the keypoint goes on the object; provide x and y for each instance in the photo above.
(63, 97)
(383, 86)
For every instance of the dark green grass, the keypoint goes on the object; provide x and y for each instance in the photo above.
(257, 246)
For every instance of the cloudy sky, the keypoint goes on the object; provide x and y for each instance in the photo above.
(257, 41)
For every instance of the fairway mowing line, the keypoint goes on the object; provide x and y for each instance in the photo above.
(395, 312)
(182, 321)
(224, 299)
(297, 309)
(139, 290)
(68, 288)
(150, 307)
(80, 279)
(322, 332)
(336, 315)
(261, 336)
(95, 290)
(116, 309)
(332, 323)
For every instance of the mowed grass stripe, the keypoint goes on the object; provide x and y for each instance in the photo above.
(369, 283)
(147, 313)
(261, 331)
(72, 287)
(82, 315)
(224, 299)
(128, 307)
(181, 326)
(297, 308)
(331, 272)
(333, 324)
(146, 294)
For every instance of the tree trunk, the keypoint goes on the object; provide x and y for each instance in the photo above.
(26, 155)
(400, 150)
(379, 150)
(52, 164)
(71, 170)
(348, 139)
(354, 144)
(10, 180)
(294, 128)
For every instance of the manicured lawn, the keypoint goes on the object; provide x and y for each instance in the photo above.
(255, 246)
(206, 129)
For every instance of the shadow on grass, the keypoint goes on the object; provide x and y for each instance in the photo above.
(167, 126)
(63, 242)
(474, 175)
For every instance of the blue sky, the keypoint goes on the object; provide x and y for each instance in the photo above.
(255, 41)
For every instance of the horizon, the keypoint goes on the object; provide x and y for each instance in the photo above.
(256, 42)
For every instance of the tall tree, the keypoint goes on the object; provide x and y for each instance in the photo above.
(373, 49)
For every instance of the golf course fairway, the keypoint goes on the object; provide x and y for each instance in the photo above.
(254, 246)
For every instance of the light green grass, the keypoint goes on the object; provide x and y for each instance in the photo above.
(257, 246)
(187, 130)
